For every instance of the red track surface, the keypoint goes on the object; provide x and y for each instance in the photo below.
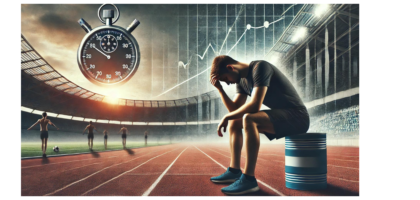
(175, 170)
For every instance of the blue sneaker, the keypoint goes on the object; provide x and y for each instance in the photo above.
(227, 177)
(241, 186)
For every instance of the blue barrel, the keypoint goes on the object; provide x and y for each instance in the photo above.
(306, 161)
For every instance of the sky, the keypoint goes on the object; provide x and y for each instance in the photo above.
(53, 30)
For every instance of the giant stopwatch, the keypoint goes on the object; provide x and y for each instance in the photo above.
(108, 54)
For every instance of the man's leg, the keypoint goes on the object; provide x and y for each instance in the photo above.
(45, 145)
(236, 142)
(254, 124)
(42, 145)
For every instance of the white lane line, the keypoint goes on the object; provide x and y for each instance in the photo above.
(169, 174)
(265, 184)
(342, 160)
(125, 172)
(342, 155)
(220, 153)
(241, 155)
(66, 170)
(148, 191)
(91, 175)
(143, 174)
(328, 154)
(174, 174)
(269, 154)
(283, 161)
(342, 179)
(343, 167)
(64, 162)
(245, 157)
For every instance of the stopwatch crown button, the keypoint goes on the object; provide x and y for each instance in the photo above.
(108, 14)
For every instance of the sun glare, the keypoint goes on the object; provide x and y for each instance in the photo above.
(112, 98)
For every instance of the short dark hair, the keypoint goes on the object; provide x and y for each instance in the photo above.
(44, 114)
(90, 122)
(219, 64)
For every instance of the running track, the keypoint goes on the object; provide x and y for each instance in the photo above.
(175, 170)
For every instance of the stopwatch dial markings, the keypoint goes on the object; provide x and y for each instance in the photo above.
(113, 61)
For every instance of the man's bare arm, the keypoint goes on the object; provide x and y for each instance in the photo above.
(85, 130)
(257, 97)
(50, 122)
(37, 122)
(238, 101)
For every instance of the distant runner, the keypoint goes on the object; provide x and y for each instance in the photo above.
(44, 131)
(105, 138)
(145, 136)
(90, 128)
(123, 135)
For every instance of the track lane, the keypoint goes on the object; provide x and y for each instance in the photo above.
(192, 171)
(130, 183)
(39, 162)
(41, 182)
(105, 174)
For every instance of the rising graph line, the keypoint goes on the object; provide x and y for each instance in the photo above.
(248, 27)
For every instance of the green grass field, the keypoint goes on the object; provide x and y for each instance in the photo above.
(30, 149)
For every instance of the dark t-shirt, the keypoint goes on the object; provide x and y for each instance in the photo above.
(280, 92)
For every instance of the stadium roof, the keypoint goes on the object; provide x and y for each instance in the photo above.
(33, 64)
(306, 17)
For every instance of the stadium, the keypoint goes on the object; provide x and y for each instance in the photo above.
(315, 46)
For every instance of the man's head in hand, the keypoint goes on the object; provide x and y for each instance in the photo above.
(224, 68)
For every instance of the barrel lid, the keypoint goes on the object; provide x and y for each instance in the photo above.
(307, 136)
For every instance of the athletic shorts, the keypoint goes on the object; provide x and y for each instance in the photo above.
(145, 137)
(106, 137)
(90, 136)
(124, 135)
(44, 134)
(289, 121)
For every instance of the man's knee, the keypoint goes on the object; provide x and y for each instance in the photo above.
(248, 119)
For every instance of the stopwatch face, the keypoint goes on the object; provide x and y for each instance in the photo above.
(108, 57)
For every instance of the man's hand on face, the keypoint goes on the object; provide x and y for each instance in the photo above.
(215, 82)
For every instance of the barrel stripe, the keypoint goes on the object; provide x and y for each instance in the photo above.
(306, 161)
(306, 182)
(322, 153)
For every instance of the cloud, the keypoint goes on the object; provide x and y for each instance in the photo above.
(61, 31)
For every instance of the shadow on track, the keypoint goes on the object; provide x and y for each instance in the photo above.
(95, 154)
(129, 151)
(334, 190)
(260, 192)
(45, 161)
